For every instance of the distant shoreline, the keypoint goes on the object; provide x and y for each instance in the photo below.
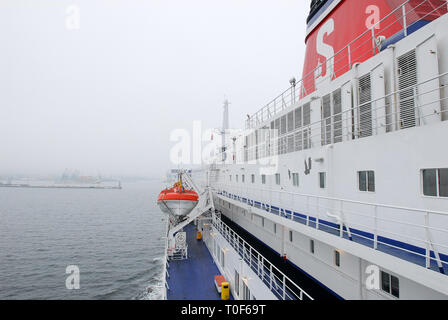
(14, 185)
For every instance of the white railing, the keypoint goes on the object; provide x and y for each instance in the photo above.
(363, 47)
(413, 234)
(166, 265)
(279, 284)
(427, 97)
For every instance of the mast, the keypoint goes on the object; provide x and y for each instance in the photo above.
(225, 128)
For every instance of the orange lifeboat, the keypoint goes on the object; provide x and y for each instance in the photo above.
(177, 201)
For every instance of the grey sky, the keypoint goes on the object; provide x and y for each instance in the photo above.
(105, 98)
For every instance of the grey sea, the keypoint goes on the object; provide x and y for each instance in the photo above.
(114, 237)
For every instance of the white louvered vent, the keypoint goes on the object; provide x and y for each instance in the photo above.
(337, 116)
(290, 143)
(283, 125)
(326, 120)
(407, 79)
(291, 121)
(365, 106)
(298, 118)
(306, 114)
(306, 122)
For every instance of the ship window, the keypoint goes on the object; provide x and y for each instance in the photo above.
(242, 178)
(290, 236)
(277, 178)
(253, 178)
(337, 258)
(262, 222)
(366, 181)
(263, 179)
(312, 246)
(295, 179)
(435, 182)
(390, 284)
(275, 228)
(230, 178)
(322, 180)
(443, 182)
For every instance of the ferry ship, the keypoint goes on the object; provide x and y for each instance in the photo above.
(338, 187)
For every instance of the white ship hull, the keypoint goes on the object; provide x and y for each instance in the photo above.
(350, 194)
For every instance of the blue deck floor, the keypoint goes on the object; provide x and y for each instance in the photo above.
(193, 278)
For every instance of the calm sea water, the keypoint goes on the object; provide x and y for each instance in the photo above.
(113, 236)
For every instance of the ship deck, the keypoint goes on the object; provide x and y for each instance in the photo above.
(193, 278)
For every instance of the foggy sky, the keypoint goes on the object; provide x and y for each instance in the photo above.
(105, 97)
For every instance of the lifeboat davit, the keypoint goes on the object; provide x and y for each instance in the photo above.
(177, 201)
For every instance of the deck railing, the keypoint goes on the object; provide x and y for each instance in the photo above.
(416, 235)
(426, 102)
(364, 46)
(279, 284)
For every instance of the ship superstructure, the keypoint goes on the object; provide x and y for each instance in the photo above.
(345, 174)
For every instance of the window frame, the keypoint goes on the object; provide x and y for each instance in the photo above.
(390, 279)
(325, 179)
(295, 179)
(337, 258)
(437, 196)
(366, 172)
(278, 181)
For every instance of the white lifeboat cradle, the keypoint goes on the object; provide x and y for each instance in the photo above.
(177, 248)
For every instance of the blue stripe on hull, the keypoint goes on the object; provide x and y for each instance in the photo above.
(366, 239)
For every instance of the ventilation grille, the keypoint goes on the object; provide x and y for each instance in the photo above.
(283, 125)
(337, 116)
(306, 122)
(407, 79)
(365, 106)
(326, 120)
(291, 121)
(298, 118)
